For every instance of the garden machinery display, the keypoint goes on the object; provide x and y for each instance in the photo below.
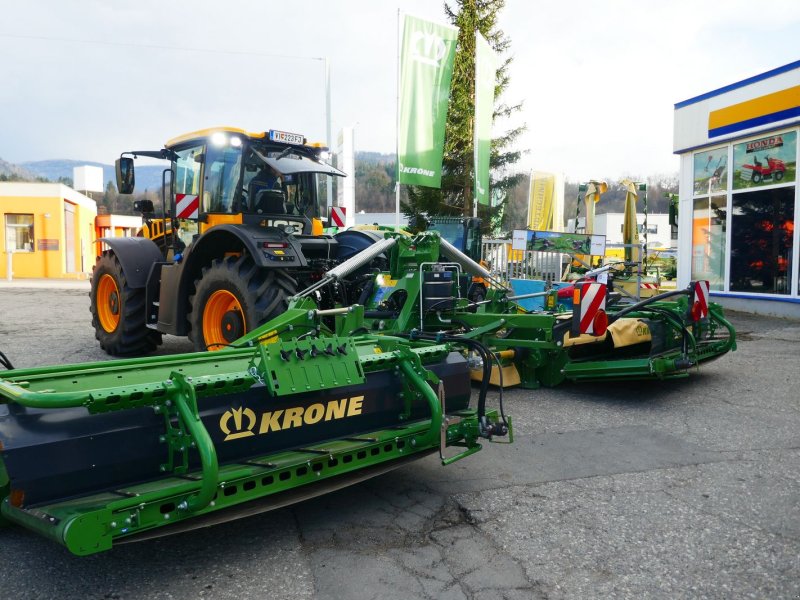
(317, 397)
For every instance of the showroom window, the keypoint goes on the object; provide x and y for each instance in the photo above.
(19, 232)
(762, 228)
(708, 240)
(762, 214)
(709, 216)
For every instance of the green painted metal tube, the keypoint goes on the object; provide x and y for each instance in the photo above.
(433, 401)
(205, 448)
(41, 399)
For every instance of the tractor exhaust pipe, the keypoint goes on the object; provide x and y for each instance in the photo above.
(469, 265)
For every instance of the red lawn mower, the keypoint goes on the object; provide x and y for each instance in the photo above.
(758, 172)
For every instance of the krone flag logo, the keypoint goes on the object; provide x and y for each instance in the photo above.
(427, 48)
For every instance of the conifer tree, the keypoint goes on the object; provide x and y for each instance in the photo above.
(455, 195)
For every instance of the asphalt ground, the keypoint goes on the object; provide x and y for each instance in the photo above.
(677, 489)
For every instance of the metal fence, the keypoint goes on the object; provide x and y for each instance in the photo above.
(505, 263)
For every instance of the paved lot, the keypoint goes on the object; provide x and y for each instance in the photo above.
(662, 490)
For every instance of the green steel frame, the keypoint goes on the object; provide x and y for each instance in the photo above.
(174, 385)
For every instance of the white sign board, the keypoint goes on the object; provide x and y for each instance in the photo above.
(87, 179)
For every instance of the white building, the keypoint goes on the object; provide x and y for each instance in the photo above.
(738, 194)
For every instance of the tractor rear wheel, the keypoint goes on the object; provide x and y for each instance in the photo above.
(118, 311)
(233, 297)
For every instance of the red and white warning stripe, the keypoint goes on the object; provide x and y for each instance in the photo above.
(700, 300)
(649, 286)
(338, 216)
(187, 206)
(593, 299)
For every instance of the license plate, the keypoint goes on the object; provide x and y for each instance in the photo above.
(286, 137)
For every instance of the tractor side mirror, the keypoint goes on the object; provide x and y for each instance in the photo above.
(125, 175)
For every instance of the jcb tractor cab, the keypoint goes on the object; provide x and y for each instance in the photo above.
(240, 227)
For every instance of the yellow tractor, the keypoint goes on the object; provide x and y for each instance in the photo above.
(238, 229)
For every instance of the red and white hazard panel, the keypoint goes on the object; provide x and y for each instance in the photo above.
(699, 306)
(187, 206)
(589, 309)
(338, 216)
(649, 286)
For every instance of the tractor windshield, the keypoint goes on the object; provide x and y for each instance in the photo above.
(278, 181)
(452, 232)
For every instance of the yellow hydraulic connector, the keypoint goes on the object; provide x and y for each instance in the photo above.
(510, 374)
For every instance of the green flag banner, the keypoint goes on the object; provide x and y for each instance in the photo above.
(485, 68)
(426, 67)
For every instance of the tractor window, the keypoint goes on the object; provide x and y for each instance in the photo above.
(452, 232)
(302, 194)
(323, 184)
(187, 171)
(221, 174)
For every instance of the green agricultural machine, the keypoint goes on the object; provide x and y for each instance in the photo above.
(423, 295)
(96, 454)
(318, 397)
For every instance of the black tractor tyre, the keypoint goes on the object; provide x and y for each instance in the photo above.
(258, 294)
(756, 177)
(118, 311)
(778, 175)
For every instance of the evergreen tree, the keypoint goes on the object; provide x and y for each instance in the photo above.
(455, 195)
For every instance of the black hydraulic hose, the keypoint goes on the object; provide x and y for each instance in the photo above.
(645, 302)
(487, 356)
(558, 328)
(5, 362)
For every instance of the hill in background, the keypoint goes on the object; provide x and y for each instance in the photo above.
(148, 177)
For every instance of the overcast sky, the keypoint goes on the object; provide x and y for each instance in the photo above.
(88, 79)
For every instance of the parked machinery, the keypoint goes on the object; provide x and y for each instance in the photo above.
(239, 231)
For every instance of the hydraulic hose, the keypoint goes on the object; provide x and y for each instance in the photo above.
(488, 359)
(645, 302)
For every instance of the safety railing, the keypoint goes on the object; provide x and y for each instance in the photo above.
(506, 263)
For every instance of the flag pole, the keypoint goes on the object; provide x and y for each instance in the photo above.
(397, 133)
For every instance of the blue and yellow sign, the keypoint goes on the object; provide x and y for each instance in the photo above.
(763, 110)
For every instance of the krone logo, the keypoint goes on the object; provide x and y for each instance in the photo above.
(288, 418)
(238, 430)
(427, 48)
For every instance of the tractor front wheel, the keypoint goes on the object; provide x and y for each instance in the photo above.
(118, 311)
(756, 177)
(233, 297)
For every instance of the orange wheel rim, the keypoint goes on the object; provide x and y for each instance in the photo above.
(223, 320)
(108, 303)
